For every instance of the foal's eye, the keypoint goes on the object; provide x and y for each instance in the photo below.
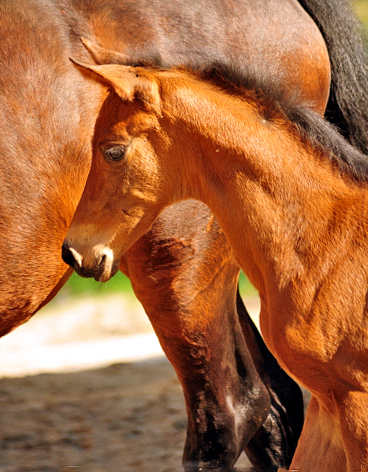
(114, 153)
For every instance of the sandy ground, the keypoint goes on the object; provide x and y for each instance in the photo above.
(85, 386)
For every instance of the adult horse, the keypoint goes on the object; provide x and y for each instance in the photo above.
(183, 270)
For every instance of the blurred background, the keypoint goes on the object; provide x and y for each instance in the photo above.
(361, 7)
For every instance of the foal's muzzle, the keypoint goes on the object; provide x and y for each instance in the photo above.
(102, 268)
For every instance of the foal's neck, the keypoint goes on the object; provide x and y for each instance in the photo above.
(283, 205)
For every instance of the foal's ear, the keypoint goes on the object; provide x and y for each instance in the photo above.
(130, 83)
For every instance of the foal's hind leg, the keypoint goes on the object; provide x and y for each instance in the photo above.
(183, 273)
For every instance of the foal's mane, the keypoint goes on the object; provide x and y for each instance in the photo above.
(274, 103)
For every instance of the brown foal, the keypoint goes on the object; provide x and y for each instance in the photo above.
(290, 195)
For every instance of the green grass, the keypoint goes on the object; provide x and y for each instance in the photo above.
(77, 286)
(361, 7)
(245, 287)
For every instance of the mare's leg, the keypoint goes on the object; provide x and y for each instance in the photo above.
(184, 274)
(286, 403)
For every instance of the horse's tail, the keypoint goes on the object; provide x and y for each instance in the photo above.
(344, 36)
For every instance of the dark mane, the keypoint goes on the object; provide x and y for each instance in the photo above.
(322, 134)
(274, 102)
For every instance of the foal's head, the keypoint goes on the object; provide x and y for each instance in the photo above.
(138, 149)
(126, 187)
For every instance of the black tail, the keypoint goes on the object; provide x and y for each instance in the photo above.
(344, 36)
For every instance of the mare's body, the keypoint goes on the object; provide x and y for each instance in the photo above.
(183, 269)
(291, 196)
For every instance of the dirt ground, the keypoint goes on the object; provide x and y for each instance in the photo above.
(85, 386)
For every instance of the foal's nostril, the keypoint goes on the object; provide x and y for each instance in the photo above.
(102, 262)
(69, 256)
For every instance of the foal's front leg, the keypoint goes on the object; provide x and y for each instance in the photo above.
(335, 435)
(184, 274)
(320, 446)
